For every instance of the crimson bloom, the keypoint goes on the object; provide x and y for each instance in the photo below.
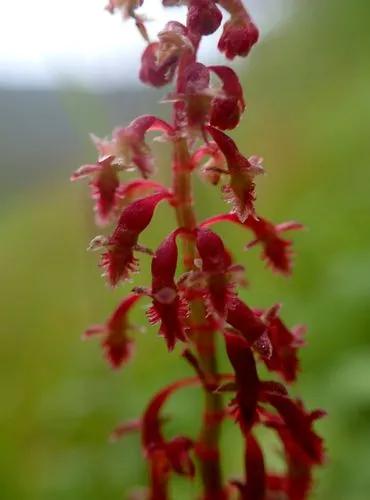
(285, 344)
(276, 251)
(104, 186)
(240, 190)
(251, 326)
(168, 307)
(153, 73)
(118, 260)
(116, 342)
(128, 146)
(228, 107)
(238, 37)
(204, 17)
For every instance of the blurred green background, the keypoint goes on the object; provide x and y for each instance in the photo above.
(308, 108)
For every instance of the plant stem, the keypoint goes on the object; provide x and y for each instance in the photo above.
(202, 337)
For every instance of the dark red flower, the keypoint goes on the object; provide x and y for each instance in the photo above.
(118, 259)
(285, 344)
(197, 94)
(153, 73)
(250, 325)
(165, 456)
(104, 186)
(276, 250)
(218, 276)
(245, 403)
(254, 486)
(240, 190)
(228, 107)
(128, 145)
(215, 166)
(116, 343)
(204, 17)
(168, 307)
(295, 428)
(238, 37)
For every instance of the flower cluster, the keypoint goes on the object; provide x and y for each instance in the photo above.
(199, 300)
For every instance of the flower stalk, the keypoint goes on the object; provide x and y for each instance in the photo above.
(195, 303)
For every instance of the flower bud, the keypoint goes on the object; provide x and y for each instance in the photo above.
(204, 17)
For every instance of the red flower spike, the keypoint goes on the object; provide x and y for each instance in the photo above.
(238, 37)
(217, 270)
(168, 307)
(276, 250)
(203, 300)
(227, 108)
(204, 17)
(246, 377)
(118, 260)
(285, 344)
(104, 187)
(254, 487)
(240, 190)
(116, 344)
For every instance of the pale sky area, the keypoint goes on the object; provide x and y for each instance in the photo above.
(47, 43)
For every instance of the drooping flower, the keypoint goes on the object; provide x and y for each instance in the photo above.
(295, 427)
(244, 406)
(215, 166)
(240, 190)
(168, 307)
(254, 485)
(250, 325)
(197, 95)
(238, 37)
(104, 186)
(153, 73)
(218, 276)
(165, 456)
(116, 343)
(228, 107)
(128, 146)
(118, 259)
(204, 17)
(285, 344)
(276, 250)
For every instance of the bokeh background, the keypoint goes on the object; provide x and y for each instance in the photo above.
(308, 107)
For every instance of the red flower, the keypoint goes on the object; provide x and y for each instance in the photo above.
(116, 343)
(204, 17)
(285, 344)
(197, 94)
(240, 190)
(168, 307)
(128, 143)
(295, 428)
(245, 403)
(214, 166)
(254, 486)
(238, 37)
(250, 325)
(165, 456)
(153, 73)
(104, 186)
(228, 107)
(276, 250)
(118, 260)
(218, 273)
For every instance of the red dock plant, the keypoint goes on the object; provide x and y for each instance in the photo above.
(194, 302)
